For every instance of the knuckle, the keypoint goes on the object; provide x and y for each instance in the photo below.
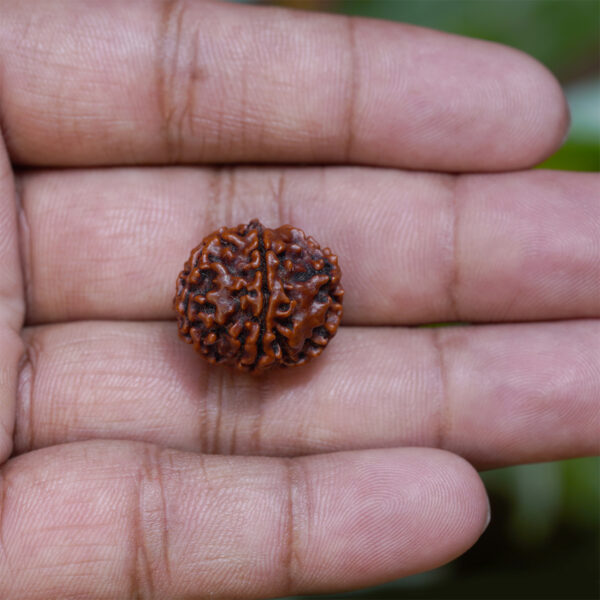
(297, 512)
(24, 433)
(178, 74)
(353, 89)
(453, 278)
(151, 570)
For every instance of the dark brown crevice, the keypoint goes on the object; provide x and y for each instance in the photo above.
(454, 184)
(265, 292)
(350, 116)
(26, 395)
(25, 249)
(289, 556)
(444, 409)
(3, 496)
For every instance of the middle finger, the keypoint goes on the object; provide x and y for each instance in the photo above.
(413, 247)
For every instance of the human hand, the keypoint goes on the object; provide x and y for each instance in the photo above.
(108, 487)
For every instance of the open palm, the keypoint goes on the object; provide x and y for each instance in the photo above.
(133, 469)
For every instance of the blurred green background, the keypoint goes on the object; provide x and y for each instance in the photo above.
(543, 541)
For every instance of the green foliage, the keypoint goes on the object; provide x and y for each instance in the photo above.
(563, 34)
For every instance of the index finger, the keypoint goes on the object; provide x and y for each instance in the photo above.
(171, 81)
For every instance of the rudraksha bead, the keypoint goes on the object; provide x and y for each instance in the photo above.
(255, 298)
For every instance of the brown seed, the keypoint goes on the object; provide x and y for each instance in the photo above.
(254, 298)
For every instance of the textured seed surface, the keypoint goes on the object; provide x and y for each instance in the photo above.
(255, 298)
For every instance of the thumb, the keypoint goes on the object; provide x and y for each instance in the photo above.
(123, 519)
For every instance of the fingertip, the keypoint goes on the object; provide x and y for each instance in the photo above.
(458, 502)
(463, 499)
(544, 116)
(391, 513)
(430, 99)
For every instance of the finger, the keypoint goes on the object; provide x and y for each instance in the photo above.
(496, 395)
(423, 248)
(208, 82)
(12, 305)
(116, 520)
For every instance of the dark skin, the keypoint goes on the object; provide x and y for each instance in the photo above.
(357, 468)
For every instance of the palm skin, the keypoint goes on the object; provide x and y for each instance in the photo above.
(132, 469)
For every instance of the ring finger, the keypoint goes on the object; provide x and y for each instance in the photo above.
(494, 394)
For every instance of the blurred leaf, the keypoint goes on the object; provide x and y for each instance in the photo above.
(537, 509)
(581, 151)
(584, 102)
(574, 157)
(563, 34)
(581, 492)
